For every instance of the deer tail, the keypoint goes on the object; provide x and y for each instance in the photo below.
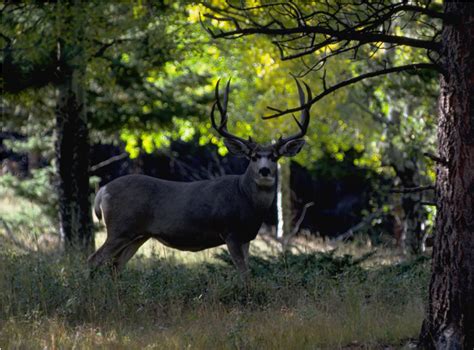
(97, 202)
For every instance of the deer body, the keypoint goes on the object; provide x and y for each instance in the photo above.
(196, 215)
(201, 214)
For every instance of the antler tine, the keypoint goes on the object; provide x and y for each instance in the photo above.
(222, 109)
(226, 94)
(300, 92)
(305, 113)
(222, 127)
(304, 122)
(213, 119)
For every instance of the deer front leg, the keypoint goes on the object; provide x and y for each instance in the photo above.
(245, 249)
(239, 253)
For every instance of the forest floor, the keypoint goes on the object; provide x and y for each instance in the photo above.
(320, 295)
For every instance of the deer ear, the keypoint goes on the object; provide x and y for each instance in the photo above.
(291, 148)
(237, 147)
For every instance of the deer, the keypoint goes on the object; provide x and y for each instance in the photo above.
(193, 216)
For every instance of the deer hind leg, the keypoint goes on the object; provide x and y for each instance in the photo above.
(122, 257)
(107, 252)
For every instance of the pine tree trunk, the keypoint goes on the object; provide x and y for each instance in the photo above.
(449, 322)
(72, 155)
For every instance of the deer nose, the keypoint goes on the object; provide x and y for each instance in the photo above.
(264, 171)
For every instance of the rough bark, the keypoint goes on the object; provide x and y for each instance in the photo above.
(449, 323)
(72, 155)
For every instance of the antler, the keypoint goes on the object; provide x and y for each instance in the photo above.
(222, 127)
(304, 122)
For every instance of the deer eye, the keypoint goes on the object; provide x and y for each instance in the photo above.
(273, 157)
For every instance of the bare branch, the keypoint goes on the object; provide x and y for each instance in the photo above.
(367, 23)
(104, 46)
(286, 240)
(436, 159)
(301, 218)
(363, 37)
(350, 232)
(108, 162)
(351, 81)
(412, 189)
(429, 12)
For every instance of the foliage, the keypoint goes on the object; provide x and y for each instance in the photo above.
(38, 211)
(149, 78)
(124, 46)
(151, 72)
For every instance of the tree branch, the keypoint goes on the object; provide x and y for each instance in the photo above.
(286, 239)
(104, 46)
(363, 223)
(351, 81)
(368, 23)
(428, 12)
(108, 161)
(436, 159)
(412, 189)
(340, 35)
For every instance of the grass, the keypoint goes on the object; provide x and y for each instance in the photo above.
(318, 296)
(165, 300)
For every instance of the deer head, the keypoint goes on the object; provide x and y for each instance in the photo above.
(263, 158)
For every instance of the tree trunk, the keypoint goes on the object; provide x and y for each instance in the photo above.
(284, 207)
(72, 153)
(449, 322)
(406, 169)
(412, 232)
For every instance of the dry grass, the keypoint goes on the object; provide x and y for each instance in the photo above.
(304, 327)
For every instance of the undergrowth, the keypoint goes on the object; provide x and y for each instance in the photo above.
(293, 301)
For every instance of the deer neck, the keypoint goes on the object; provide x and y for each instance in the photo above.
(261, 197)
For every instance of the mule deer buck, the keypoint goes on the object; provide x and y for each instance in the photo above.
(194, 216)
